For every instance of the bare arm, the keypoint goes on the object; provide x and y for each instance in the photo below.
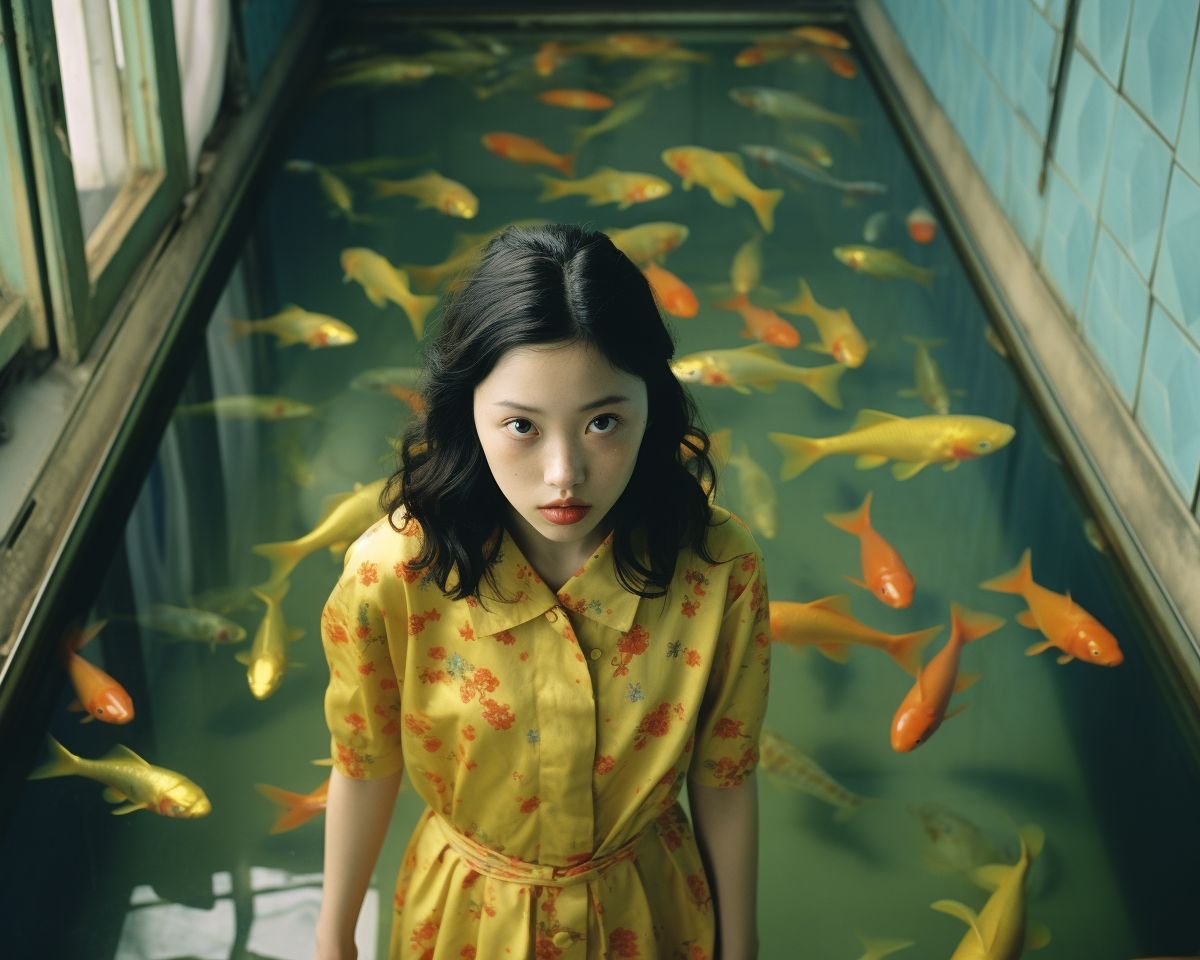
(726, 824)
(356, 820)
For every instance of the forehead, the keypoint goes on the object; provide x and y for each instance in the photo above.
(557, 372)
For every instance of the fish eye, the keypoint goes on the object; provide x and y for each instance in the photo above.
(984, 444)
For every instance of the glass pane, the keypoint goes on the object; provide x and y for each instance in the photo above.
(92, 68)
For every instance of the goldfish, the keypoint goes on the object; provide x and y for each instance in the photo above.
(840, 338)
(379, 71)
(513, 146)
(801, 166)
(576, 99)
(757, 494)
(433, 192)
(828, 625)
(838, 63)
(346, 517)
(298, 808)
(788, 767)
(675, 296)
(822, 36)
(663, 73)
(999, 931)
(886, 264)
(458, 62)
(923, 708)
(607, 185)
(550, 55)
(648, 241)
(746, 270)
(336, 190)
(386, 379)
(762, 324)
(811, 147)
(878, 949)
(874, 226)
(916, 442)
(640, 46)
(928, 383)
(96, 693)
(766, 51)
(293, 325)
(723, 175)
(130, 781)
(1063, 622)
(250, 407)
(618, 116)
(757, 366)
(382, 282)
(267, 660)
(436, 275)
(955, 843)
(785, 105)
(189, 623)
(921, 225)
(884, 572)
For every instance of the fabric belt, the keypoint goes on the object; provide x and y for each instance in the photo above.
(491, 863)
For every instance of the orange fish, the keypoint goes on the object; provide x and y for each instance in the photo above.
(675, 296)
(412, 398)
(102, 697)
(549, 57)
(838, 63)
(298, 808)
(884, 572)
(822, 37)
(519, 149)
(761, 323)
(923, 708)
(576, 99)
(766, 51)
(1063, 622)
(921, 225)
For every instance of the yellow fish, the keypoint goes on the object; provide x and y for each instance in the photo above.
(382, 282)
(788, 767)
(746, 270)
(250, 407)
(839, 336)
(886, 264)
(618, 116)
(189, 623)
(378, 71)
(999, 931)
(757, 493)
(877, 437)
(648, 241)
(607, 185)
(758, 366)
(724, 176)
(346, 518)
(267, 661)
(433, 191)
(336, 190)
(927, 378)
(293, 325)
(130, 781)
(436, 275)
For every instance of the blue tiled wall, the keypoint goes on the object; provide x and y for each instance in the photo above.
(1117, 230)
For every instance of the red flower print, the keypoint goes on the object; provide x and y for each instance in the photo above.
(388, 683)
(736, 590)
(468, 732)
(697, 953)
(656, 723)
(406, 573)
(356, 721)
(366, 669)
(472, 602)
(698, 885)
(417, 725)
(466, 632)
(350, 760)
(545, 949)
(756, 595)
(689, 607)
(499, 715)
(425, 933)
(528, 806)
(635, 641)
(624, 943)
(748, 562)
(368, 573)
(391, 728)
(575, 606)
(692, 657)
(698, 581)
(432, 744)
(469, 881)
(727, 728)
(506, 637)
(605, 764)
(467, 952)
(432, 676)
(436, 653)
(335, 630)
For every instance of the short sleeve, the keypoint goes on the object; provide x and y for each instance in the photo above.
(735, 702)
(362, 701)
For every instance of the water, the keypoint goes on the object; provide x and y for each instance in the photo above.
(1093, 756)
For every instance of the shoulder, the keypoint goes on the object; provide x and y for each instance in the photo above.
(383, 543)
(728, 535)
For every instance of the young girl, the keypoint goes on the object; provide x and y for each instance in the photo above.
(550, 630)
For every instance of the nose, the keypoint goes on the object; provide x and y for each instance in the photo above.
(564, 467)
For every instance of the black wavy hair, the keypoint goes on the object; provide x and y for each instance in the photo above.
(556, 284)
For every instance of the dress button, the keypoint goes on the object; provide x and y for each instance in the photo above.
(562, 938)
(552, 616)
(595, 653)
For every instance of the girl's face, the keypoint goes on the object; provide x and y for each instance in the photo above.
(560, 422)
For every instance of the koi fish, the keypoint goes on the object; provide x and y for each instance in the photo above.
(130, 781)
(267, 660)
(664, 73)
(811, 147)
(761, 324)
(1063, 622)
(877, 437)
(822, 37)
(432, 191)
(386, 379)
(347, 516)
(883, 571)
(336, 190)
(828, 625)
(675, 296)
(840, 338)
(756, 493)
(788, 767)
(724, 176)
(921, 225)
(785, 105)
(757, 366)
(955, 844)
(838, 63)
(526, 150)
(800, 166)
(923, 708)
(607, 185)
(746, 269)
(249, 407)
(640, 46)
(767, 51)
(188, 623)
(885, 264)
(378, 71)
(96, 693)
(576, 99)
(617, 117)
(999, 931)
(550, 55)
(293, 325)
(648, 241)
(878, 949)
(927, 378)
(382, 282)
(298, 808)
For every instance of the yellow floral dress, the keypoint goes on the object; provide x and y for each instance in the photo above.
(550, 737)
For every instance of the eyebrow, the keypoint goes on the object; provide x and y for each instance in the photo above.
(602, 402)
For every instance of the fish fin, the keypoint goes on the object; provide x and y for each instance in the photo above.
(1037, 648)
(906, 471)
(869, 418)
(991, 876)
(242, 658)
(906, 393)
(764, 204)
(765, 349)
(741, 388)
(1026, 619)
(803, 304)
(736, 160)
(965, 681)
(823, 381)
(955, 712)
(122, 752)
(375, 296)
(113, 795)
(418, 308)
(905, 648)
(86, 718)
(129, 808)
(878, 949)
(1017, 580)
(296, 811)
(553, 189)
(844, 814)
(723, 196)
(1034, 839)
(1064, 659)
(624, 204)
(869, 461)
(62, 762)
(950, 465)
(971, 625)
(837, 652)
(837, 602)
(283, 556)
(855, 521)
(323, 762)
(272, 591)
(962, 912)
(1037, 935)
(800, 453)
(77, 641)
(857, 582)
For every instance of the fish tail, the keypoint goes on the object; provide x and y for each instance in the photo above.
(800, 453)
(62, 762)
(272, 591)
(823, 381)
(387, 188)
(1017, 580)
(423, 278)
(736, 302)
(856, 521)
(878, 949)
(283, 556)
(804, 304)
(553, 189)
(764, 204)
(906, 648)
(418, 308)
(566, 163)
(296, 811)
(970, 625)
(241, 328)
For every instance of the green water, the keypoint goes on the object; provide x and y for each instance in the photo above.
(1092, 756)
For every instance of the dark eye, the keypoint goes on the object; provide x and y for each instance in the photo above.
(612, 421)
(523, 421)
(984, 444)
